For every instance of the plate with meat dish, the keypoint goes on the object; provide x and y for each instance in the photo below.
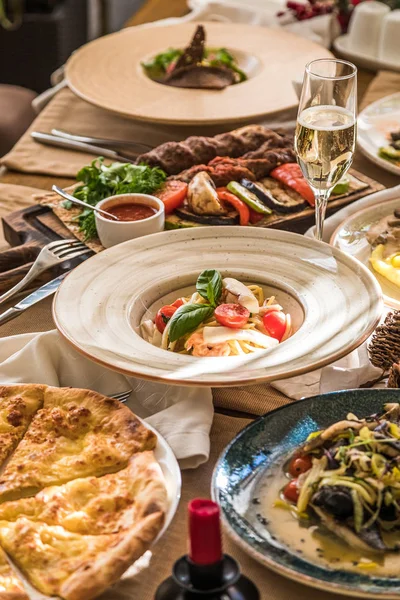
(372, 236)
(187, 74)
(246, 177)
(378, 133)
(311, 491)
(190, 307)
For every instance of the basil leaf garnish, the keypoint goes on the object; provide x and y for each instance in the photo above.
(187, 318)
(209, 285)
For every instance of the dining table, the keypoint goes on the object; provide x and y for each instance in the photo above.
(234, 407)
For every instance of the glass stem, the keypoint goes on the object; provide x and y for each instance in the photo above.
(321, 202)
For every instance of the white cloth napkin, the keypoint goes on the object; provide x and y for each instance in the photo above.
(182, 415)
(321, 29)
(353, 370)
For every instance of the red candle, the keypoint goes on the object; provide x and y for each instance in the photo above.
(205, 546)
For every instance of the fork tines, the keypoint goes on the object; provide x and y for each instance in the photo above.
(67, 248)
(122, 396)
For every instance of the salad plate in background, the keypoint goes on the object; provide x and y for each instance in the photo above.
(377, 125)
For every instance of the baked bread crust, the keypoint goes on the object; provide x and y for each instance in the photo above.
(18, 405)
(97, 505)
(107, 501)
(77, 433)
(85, 561)
(11, 588)
(93, 578)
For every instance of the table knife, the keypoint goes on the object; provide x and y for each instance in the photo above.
(105, 142)
(43, 292)
(49, 139)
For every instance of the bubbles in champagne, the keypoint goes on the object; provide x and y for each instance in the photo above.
(324, 142)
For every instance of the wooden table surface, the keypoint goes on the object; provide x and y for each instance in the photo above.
(153, 10)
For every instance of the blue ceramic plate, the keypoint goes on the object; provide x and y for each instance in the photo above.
(250, 464)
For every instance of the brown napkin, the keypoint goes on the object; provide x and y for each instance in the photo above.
(384, 84)
(67, 216)
(15, 197)
(12, 198)
(68, 112)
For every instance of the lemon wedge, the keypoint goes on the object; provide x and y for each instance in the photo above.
(387, 267)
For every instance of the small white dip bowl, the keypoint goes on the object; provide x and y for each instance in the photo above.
(113, 232)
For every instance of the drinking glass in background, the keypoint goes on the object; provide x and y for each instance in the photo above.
(326, 128)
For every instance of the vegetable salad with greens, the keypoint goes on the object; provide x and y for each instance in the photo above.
(164, 63)
(100, 181)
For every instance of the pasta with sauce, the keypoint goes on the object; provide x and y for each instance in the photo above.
(223, 317)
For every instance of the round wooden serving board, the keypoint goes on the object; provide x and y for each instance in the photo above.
(108, 73)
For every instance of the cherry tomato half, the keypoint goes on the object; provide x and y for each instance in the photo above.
(291, 491)
(172, 193)
(163, 316)
(275, 324)
(178, 303)
(232, 315)
(299, 465)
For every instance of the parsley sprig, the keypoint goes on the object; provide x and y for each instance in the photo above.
(100, 181)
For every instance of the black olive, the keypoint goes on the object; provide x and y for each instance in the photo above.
(388, 513)
(336, 500)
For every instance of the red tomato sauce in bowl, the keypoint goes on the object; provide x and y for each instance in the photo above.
(130, 212)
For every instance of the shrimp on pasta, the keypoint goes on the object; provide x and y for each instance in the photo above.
(223, 317)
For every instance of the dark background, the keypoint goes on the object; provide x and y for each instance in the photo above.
(50, 31)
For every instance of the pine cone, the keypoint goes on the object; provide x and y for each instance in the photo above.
(394, 377)
(384, 349)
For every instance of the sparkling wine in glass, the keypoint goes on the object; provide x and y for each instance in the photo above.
(326, 128)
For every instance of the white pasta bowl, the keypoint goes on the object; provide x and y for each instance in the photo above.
(334, 301)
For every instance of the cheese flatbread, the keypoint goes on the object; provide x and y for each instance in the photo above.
(97, 505)
(71, 565)
(77, 433)
(18, 405)
(11, 587)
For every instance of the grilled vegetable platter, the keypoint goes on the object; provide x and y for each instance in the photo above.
(246, 177)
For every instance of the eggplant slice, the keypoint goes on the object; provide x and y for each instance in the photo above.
(231, 218)
(276, 195)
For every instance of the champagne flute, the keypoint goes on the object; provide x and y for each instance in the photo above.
(326, 128)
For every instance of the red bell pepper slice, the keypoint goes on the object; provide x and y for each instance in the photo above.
(244, 212)
(290, 174)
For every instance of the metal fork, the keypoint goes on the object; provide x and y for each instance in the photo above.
(52, 254)
(122, 396)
